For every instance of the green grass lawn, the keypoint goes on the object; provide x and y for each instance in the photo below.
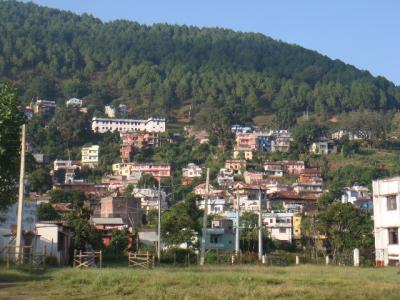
(211, 282)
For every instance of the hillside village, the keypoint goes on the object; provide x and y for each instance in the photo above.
(257, 176)
(138, 145)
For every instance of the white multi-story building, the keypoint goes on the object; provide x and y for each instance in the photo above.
(69, 166)
(279, 225)
(90, 156)
(357, 195)
(192, 171)
(215, 205)
(74, 102)
(386, 197)
(102, 125)
(150, 198)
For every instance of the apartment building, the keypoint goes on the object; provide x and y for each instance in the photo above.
(158, 171)
(279, 225)
(90, 156)
(309, 182)
(386, 197)
(102, 125)
(246, 141)
(221, 235)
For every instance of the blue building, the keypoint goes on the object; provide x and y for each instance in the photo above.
(264, 143)
(221, 235)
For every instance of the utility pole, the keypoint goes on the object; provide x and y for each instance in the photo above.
(237, 244)
(159, 222)
(18, 241)
(260, 242)
(203, 237)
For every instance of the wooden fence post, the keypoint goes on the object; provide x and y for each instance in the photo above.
(101, 259)
(297, 260)
(73, 262)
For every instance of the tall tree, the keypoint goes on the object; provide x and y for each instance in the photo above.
(11, 120)
(181, 223)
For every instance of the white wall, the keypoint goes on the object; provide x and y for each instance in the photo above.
(385, 219)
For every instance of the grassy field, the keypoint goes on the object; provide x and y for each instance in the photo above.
(216, 282)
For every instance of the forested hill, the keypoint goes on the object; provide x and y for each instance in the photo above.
(157, 69)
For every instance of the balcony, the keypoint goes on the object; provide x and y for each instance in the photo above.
(215, 231)
(216, 246)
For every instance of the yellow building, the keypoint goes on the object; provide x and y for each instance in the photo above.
(297, 226)
(235, 164)
(247, 154)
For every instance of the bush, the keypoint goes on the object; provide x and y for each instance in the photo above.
(51, 261)
(179, 256)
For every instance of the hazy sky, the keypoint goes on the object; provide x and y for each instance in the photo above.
(364, 33)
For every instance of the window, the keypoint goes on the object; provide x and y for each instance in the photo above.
(282, 230)
(391, 202)
(393, 236)
(213, 239)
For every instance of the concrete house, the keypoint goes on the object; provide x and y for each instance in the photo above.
(279, 225)
(323, 146)
(359, 196)
(55, 237)
(246, 141)
(150, 198)
(243, 152)
(309, 182)
(236, 165)
(252, 176)
(192, 171)
(90, 156)
(221, 235)
(281, 141)
(386, 197)
(127, 208)
(274, 169)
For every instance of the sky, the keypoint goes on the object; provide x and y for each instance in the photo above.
(363, 33)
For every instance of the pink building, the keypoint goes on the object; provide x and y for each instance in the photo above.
(294, 167)
(246, 140)
(158, 171)
(135, 141)
(252, 176)
(126, 152)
